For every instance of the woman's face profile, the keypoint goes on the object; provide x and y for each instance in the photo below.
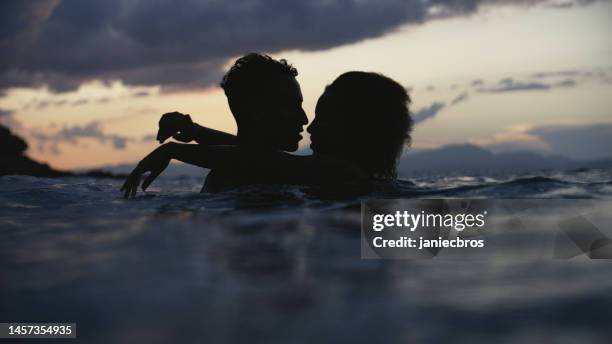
(329, 129)
(319, 128)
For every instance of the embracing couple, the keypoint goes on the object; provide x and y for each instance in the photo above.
(361, 125)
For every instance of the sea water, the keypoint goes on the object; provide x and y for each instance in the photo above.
(276, 264)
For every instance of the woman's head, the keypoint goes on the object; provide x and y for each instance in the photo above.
(364, 118)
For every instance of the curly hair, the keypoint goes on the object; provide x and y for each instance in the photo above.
(250, 71)
(375, 109)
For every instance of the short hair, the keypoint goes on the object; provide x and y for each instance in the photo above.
(376, 108)
(249, 71)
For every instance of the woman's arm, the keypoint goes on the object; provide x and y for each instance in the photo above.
(182, 128)
(268, 166)
(259, 166)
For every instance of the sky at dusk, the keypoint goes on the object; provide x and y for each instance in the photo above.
(85, 82)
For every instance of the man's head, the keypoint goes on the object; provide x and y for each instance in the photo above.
(364, 118)
(266, 101)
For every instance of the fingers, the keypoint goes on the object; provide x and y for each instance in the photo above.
(155, 163)
(180, 136)
(163, 134)
(171, 116)
(131, 185)
(150, 178)
(133, 190)
(126, 186)
(127, 189)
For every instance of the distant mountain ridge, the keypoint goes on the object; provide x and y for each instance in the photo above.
(472, 159)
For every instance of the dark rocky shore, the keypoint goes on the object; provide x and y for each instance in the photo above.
(15, 161)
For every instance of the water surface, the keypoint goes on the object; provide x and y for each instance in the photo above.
(277, 265)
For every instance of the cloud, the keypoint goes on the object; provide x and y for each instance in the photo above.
(434, 108)
(567, 4)
(150, 137)
(477, 82)
(543, 80)
(7, 118)
(510, 85)
(460, 98)
(427, 112)
(90, 130)
(140, 94)
(81, 101)
(72, 134)
(514, 138)
(566, 83)
(177, 44)
(596, 73)
(39, 105)
(560, 73)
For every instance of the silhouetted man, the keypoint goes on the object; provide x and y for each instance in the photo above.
(266, 101)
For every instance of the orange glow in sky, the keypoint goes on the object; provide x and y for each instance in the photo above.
(461, 58)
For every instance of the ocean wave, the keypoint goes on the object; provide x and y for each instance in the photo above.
(258, 253)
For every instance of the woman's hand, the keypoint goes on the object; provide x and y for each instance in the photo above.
(176, 125)
(155, 163)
